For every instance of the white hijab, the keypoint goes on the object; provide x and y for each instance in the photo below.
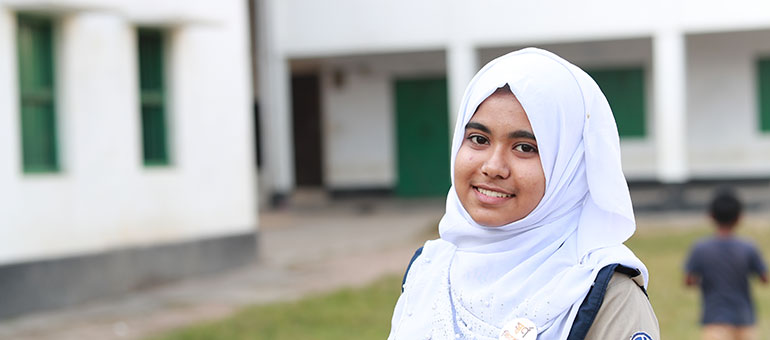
(542, 266)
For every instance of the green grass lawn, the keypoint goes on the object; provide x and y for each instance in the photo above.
(365, 313)
(362, 313)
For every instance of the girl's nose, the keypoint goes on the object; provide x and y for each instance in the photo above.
(496, 166)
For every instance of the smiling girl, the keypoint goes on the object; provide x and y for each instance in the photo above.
(531, 243)
(497, 170)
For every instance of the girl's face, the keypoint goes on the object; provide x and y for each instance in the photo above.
(498, 175)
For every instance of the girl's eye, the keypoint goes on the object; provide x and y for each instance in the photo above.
(525, 148)
(476, 139)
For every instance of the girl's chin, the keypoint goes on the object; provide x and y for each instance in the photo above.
(486, 219)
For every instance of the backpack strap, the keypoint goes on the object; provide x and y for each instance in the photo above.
(414, 257)
(590, 307)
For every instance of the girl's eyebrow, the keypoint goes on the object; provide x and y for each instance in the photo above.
(522, 134)
(513, 135)
(477, 126)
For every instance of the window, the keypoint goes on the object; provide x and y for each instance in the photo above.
(764, 94)
(152, 96)
(37, 94)
(624, 89)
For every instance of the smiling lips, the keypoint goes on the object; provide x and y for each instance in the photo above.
(491, 196)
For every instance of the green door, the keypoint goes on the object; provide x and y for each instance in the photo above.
(422, 125)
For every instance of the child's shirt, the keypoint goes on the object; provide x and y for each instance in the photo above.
(724, 265)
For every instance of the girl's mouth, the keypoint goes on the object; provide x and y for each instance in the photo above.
(492, 193)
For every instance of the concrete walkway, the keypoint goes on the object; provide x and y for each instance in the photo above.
(302, 250)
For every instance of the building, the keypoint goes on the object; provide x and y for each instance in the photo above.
(126, 146)
(689, 82)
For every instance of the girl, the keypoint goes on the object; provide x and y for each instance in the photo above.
(531, 244)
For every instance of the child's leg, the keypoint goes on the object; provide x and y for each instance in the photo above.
(746, 333)
(719, 332)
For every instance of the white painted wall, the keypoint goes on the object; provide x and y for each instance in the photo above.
(723, 115)
(358, 132)
(713, 16)
(104, 198)
(312, 28)
(351, 27)
(359, 116)
(359, 27)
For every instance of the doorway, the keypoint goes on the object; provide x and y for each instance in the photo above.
(306, 107)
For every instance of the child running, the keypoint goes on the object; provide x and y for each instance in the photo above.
(722, 265)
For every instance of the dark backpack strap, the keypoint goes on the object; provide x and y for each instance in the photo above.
(590, 307)
(414, 257)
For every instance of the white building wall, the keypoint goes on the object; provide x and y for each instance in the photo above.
(723, 115)
(313, 28)
(306, 29)
(359, 117)
(104, 198)
(358, 131)
(713, 16)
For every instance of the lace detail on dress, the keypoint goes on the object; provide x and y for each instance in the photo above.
(469, 324)
(443, 325)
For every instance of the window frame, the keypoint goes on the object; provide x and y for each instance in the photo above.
(153, 103)
(37, 98)
(763, 87)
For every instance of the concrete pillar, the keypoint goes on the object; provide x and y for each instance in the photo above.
(274, 77)
(462, 64)
(669, 62)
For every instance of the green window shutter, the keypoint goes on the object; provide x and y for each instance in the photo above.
(764, 94)
(624, 89)
(152, 97)
(37, 94)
